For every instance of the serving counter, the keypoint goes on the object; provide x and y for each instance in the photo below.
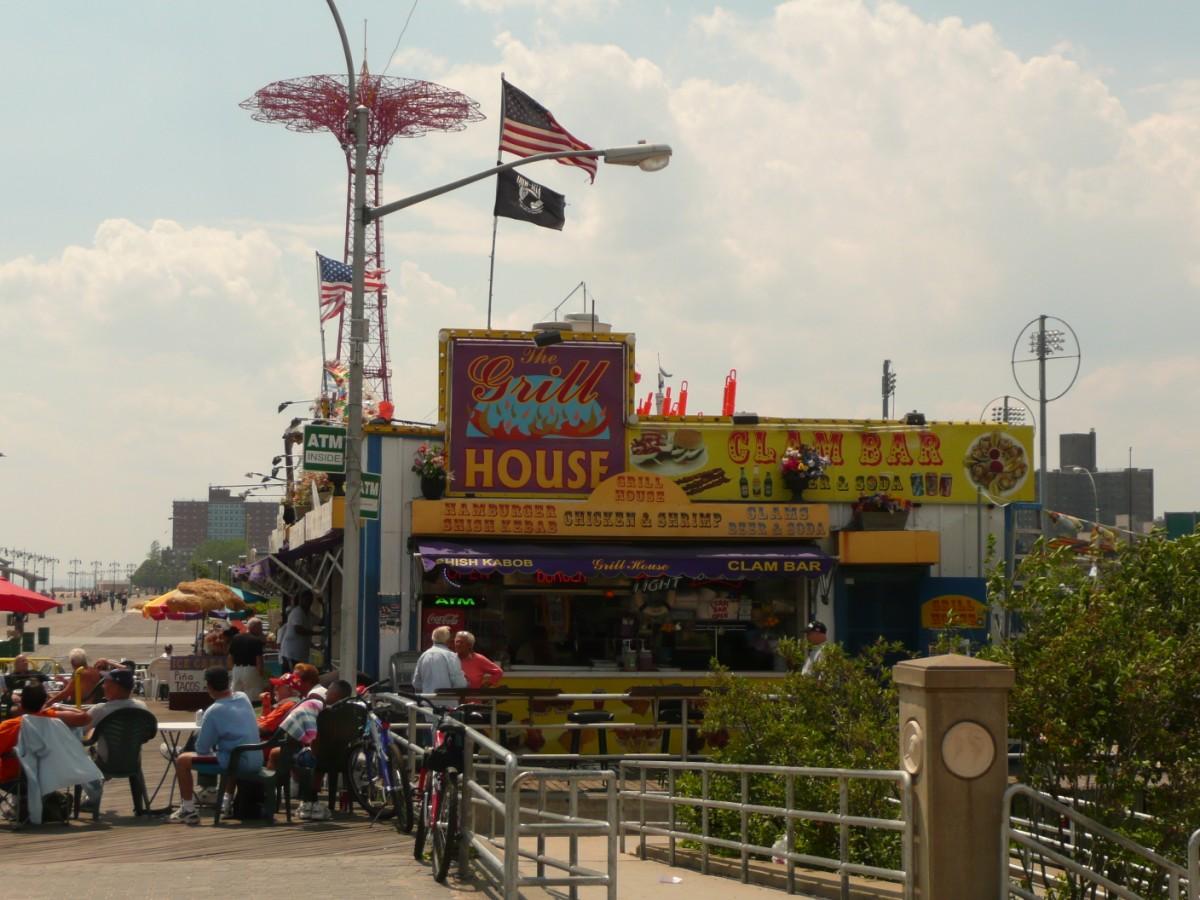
(644, 705)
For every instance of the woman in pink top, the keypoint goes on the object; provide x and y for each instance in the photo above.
(480, 671)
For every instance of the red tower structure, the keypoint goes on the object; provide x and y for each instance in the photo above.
(399, 107)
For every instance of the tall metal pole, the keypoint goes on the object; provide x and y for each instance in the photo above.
(1043, 485)
(348, 655)
(1130, 489)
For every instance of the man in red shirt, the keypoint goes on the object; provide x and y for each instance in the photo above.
(33, 703)
(480, 671)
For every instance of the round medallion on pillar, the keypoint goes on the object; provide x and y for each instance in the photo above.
(968, 750)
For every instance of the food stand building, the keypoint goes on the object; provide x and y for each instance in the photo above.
(591, 548)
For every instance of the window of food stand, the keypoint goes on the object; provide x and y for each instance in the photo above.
(618, 623)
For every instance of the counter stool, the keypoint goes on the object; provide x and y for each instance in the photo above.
(479, 716)
(589, 717)
(670, 712)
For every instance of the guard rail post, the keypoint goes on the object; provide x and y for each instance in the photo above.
(614, 826)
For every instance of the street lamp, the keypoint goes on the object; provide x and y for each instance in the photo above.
(1094, 571)
(648, 157)
(1080, 470)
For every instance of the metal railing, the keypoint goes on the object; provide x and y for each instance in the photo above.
(666, 794)
(494, 783)
(1056, 845)
(686, 727)
(1194, 866)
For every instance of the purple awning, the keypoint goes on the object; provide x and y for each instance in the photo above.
(575, 560)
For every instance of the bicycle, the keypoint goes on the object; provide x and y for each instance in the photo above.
(438, 789)
(375, 773)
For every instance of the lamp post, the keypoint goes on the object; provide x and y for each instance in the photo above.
(1080, 470)
(649, 157)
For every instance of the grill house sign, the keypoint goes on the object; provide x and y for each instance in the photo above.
(528, 420)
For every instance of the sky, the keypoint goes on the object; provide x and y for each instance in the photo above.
(851, 181)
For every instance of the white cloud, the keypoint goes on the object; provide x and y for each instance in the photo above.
(850, 182)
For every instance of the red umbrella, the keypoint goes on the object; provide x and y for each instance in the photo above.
(19, 600)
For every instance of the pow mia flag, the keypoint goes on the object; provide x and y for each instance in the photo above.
(519, 198)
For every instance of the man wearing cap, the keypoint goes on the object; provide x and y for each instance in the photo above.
(287, 694)
(117, 685)
(815, 634)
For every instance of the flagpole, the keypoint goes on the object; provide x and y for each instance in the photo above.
(495, 218)
(321, 325)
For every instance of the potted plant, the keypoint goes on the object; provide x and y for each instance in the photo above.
(800, 467)
(881, 512)
(430, 464)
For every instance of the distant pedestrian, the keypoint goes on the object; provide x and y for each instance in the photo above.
(124, 598)
(112, 602)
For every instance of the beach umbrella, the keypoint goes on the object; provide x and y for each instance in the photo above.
(249, 596)
(16, 599)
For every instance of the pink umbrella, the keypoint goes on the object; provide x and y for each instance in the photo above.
(16, 599)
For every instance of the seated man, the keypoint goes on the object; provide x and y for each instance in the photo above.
(22, 673)
(287, 695)
(84, 685)
(301, 725)
(227, 724)
(33, 703)
(117, 685)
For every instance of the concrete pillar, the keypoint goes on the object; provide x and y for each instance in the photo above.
(954, 743)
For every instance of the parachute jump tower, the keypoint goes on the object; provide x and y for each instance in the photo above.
(399, 108)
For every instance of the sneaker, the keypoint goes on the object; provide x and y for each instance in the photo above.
(319, 812)
(227, 806)
(304, 812)
(165, 751)
(206, 796)
(183, 816)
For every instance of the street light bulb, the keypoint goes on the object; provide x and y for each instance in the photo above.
(647, 157)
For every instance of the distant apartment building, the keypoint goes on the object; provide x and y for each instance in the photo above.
(1125, 497)
(223, 516)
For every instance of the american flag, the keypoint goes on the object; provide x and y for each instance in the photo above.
(530, 128)
(337, 280)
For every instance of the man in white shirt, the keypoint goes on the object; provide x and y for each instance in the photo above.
(298, 632)
(816, 635)
(439, 667)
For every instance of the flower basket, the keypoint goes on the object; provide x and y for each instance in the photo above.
(881, 512)
(800, 467)
(432, 487)
(430, 464)
(882, 521)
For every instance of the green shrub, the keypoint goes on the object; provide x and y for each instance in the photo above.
(843, 716)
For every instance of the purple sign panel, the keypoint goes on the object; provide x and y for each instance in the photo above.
(528, 420)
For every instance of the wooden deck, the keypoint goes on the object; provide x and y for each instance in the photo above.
(121, 834)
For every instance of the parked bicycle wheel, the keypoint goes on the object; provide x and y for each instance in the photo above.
(370, 785)
(425, 804)
(445, 829)
(402, 794)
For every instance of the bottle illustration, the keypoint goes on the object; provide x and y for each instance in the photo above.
(756, 483)
(744, 485)
(768, 485)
